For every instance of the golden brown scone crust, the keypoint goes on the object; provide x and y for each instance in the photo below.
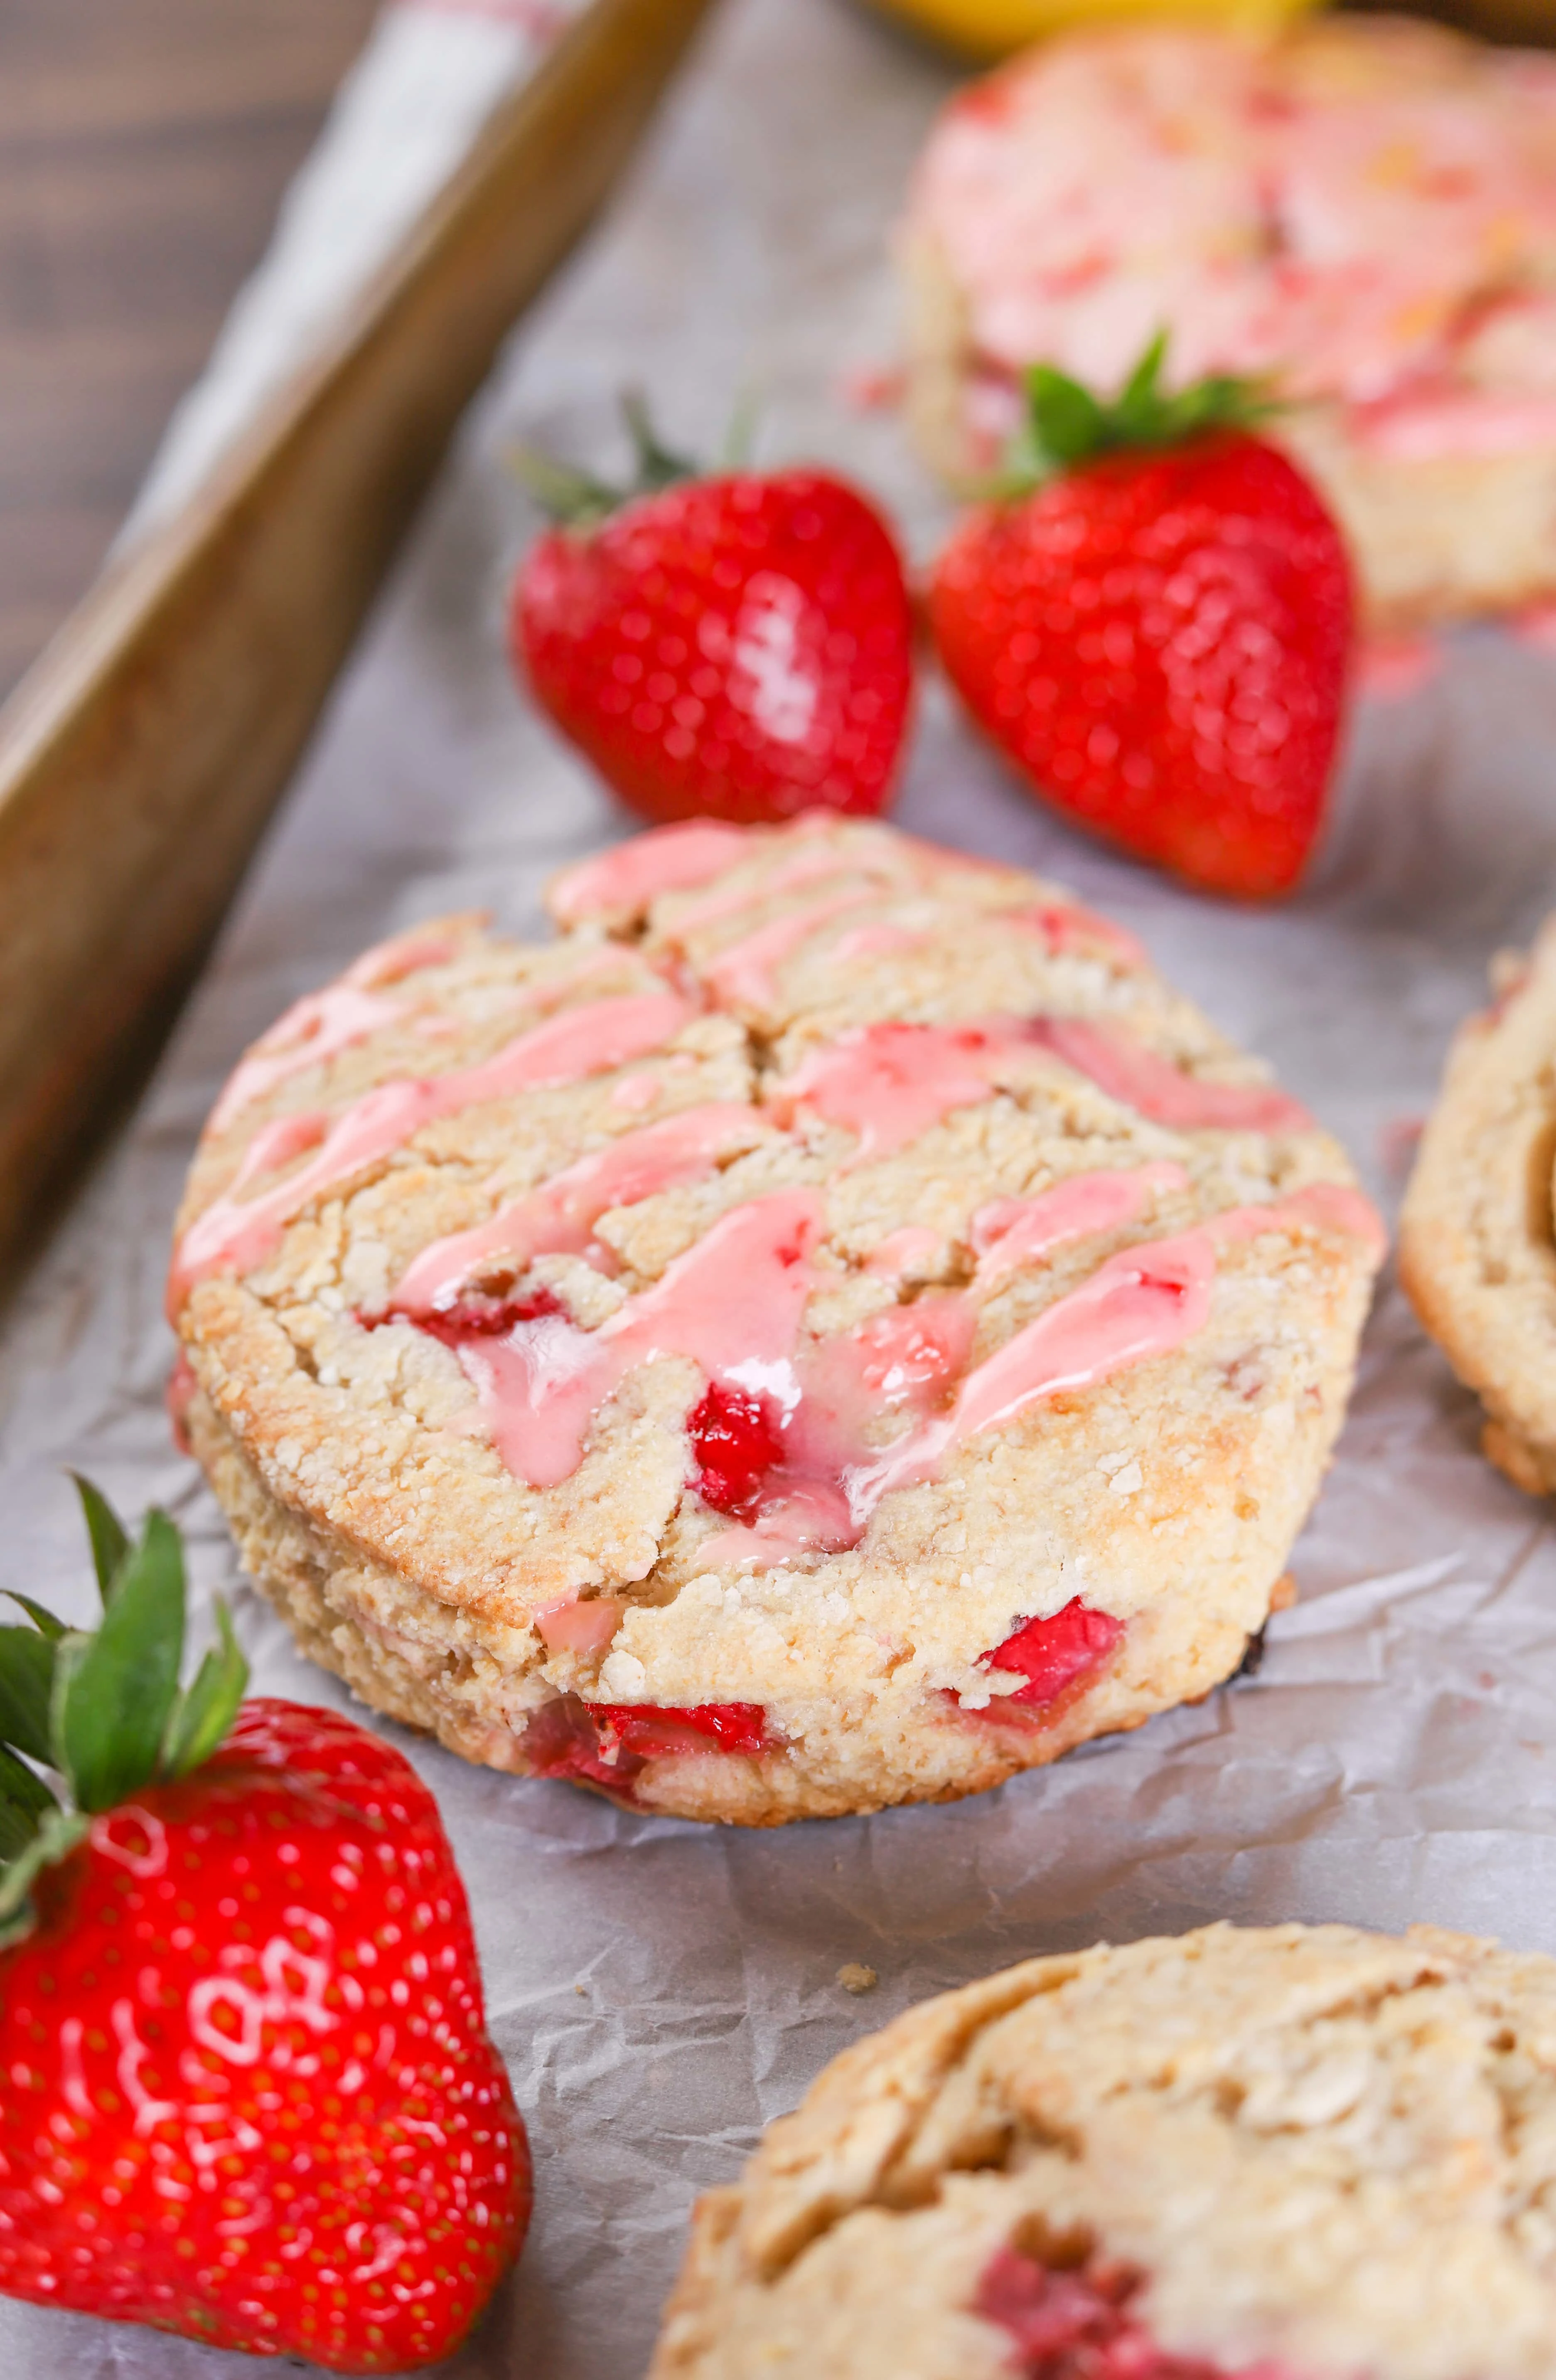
(1325, 2152)
(1477, 1246)
(1435, 538)
(371, 1505)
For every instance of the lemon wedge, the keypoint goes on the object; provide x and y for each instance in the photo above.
(991, 29)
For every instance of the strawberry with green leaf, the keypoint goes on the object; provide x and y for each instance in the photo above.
(1152, 617)
(735, 645)
(248, 2092)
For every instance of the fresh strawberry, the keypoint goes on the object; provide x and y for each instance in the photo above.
(248, 2092)
(737, 647)
(1154, 621)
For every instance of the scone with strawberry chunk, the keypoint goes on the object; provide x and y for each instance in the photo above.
(1306, 2154)
(1477, 1246)
(832, 1329)
(1362, 211)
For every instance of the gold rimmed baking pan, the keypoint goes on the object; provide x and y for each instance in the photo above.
(141, 757)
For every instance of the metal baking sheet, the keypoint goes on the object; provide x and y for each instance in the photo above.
(662, 1991)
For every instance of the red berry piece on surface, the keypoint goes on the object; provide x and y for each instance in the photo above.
(1054, 1655)
(1078, 2323)
(476, 1315)
(250, 2093)
(736, 1441)
(1156, 626)
(736, 647)
(608, 1743)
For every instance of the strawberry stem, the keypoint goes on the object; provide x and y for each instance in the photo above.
(657, 467)
(102, 1709)
(1068, 425)
(110, 1545)
(576, 499)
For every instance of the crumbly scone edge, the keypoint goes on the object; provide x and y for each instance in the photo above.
(1477, 1245)
(1169, 2102)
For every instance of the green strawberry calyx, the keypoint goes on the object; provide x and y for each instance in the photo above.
(1068, 425)
(102, 1709)
(576, 499)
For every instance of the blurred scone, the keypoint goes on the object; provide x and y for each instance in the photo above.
(1477, 1246)
(1364, 211)
(832, 1329)
(1306, 2154)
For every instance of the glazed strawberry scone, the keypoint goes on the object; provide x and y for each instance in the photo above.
(832, 1328)
(1362, 211)
(1306, 2154)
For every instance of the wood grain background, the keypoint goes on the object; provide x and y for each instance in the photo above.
(143, 145)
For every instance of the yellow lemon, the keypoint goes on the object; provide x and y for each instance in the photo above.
(991, 29)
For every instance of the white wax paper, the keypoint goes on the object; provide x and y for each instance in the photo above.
(661, 1990)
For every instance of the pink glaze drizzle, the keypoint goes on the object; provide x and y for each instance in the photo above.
(905, 1361)
(1425, 428)
(236, 1234)
(732, 1305)
(902, 1361)
(1067, 927)
(634, 874)
(312, 1030)
(323, 1023)
(1142, 1303)
(1130, 1073)
(1012, 1232)
(559, 1216)
(890, 1083)
(808, 864)
(1322, 1207)
(875, 941)
(743, 975)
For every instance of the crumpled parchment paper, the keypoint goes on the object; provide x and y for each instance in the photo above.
(662, 1991)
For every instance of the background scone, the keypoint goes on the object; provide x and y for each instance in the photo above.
(833, 1329)
(1477, 1241)
(1306, 2154)
(1364, 211)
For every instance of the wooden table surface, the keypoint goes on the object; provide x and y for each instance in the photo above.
(143, 146)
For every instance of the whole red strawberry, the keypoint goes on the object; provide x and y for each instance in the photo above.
(739, 647)
(1157, 628)
(248, 2092)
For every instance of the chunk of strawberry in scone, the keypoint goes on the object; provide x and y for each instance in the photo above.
(736, 1441)
(608, 1745)
(478, 1316)
(1075, 2325)
(1054, 1655)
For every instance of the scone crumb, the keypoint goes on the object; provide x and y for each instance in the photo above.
(856, 1978)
